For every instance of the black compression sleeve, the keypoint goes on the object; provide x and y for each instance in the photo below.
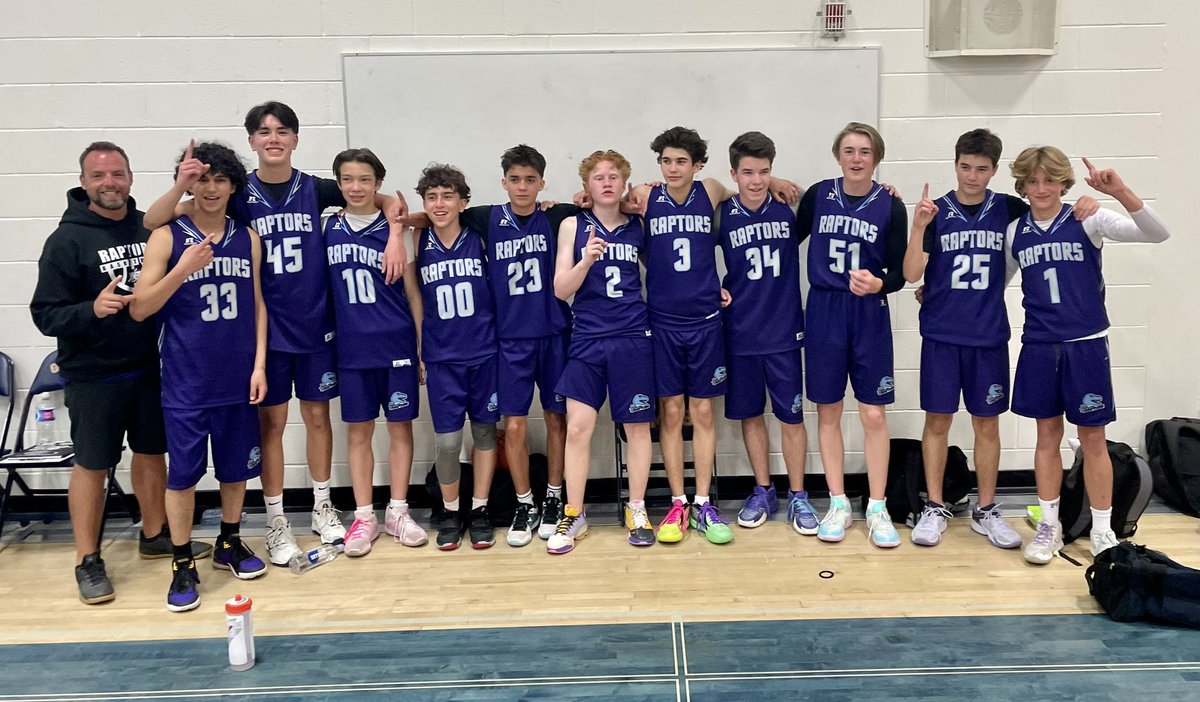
(806, 213)
(476, 219)
(897, 242)
(328, 194)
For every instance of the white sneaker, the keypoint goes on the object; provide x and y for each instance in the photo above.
(992, 525)
(1046, 542)
(929, 528)
(327, 524)
(281, 545)
(398, 523)
(525, 520)
(1103, 540)
(835, 522)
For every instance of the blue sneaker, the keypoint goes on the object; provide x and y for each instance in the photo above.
(234, 555)
(183, 594)
(801, 514)
(759, 507)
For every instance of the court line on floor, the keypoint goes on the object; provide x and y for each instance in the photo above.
(346, 688)
(952, 670)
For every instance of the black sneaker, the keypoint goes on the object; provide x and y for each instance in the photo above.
(480, 521)
(551, 514)
(525, 519)
(94, 585)
(183, 594)
(235, 556)
(160, 546)
(449, 530)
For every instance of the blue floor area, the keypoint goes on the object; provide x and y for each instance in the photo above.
(952, 658)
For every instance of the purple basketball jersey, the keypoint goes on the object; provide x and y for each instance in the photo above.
(521, 271)
(762, 256)
(206, 330)
(609, 302)
(682, 289)
(374, 323)
(1061, 282)
(964, 278)
(459, 325)
(294, 283)
(847, 236)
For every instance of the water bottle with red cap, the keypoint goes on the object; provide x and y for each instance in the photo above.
(240, 630)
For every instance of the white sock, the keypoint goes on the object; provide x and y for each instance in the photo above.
(1101, 520)
(476, 503)
(700, 500)
(1049, 510)
(274, 506)
(526, 497)
(320, 491)
(364, 511)
(554, 491)
(637, 504)
(451, 505)
(874, 505)
(395, 504)
(679, 498)
(839, 500)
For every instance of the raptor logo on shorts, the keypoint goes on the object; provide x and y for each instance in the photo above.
(797, 404)
(328, 381)
(1091, 403)
(886, 385)
(559, 398)
(398, 400)
(719, 375)
(255, 458)
(995, 393)
(493, 403)
(640, 403)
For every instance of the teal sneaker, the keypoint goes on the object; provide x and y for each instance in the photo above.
(836, 521)
(879, 525)
(706, 519)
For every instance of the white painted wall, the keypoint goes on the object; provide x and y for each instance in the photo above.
(150, 75)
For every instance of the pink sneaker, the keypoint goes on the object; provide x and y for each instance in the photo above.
(362, 532)
(399, 524)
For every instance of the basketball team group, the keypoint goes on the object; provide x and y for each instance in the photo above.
(185, 331)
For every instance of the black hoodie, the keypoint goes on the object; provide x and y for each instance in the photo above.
(83, 255)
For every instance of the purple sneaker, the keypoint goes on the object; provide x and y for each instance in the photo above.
(759, 507)
(572, 526)
(233, 555)
(183, 594)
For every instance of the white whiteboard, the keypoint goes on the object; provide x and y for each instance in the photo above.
(467, 108)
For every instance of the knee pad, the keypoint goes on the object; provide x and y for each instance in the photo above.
(446, 464)
(484, 436)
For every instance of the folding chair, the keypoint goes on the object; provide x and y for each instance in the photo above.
(655, 496)
(17, 462)
(6, 391)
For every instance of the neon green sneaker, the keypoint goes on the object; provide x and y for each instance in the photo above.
(675, 524)
(707, 520)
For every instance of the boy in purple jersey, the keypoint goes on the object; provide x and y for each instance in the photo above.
(1064, 366)
(532, 326)
(377, 328)
(284, 205)
(685, 299)
(958, 245)
(200, 276)
(764, 329)
(458, 351)
(855, 259)
(611, 354)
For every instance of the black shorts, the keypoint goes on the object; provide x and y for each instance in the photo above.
(103, 412)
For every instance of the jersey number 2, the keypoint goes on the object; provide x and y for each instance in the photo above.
(532, 271)
(974, 264)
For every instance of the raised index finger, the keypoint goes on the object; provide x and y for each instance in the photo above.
(191, 145)
(925, 192)
(1090, 167)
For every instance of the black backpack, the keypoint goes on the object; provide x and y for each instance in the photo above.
(1131, 493)
(906, 480)
(1132, 582)
(1173, 447)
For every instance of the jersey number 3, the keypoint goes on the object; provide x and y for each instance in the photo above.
(532, 272)
(213, 297)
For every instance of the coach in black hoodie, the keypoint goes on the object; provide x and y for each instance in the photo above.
(109, 362)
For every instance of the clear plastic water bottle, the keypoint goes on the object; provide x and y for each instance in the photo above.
(304, 562)
(46, 434)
